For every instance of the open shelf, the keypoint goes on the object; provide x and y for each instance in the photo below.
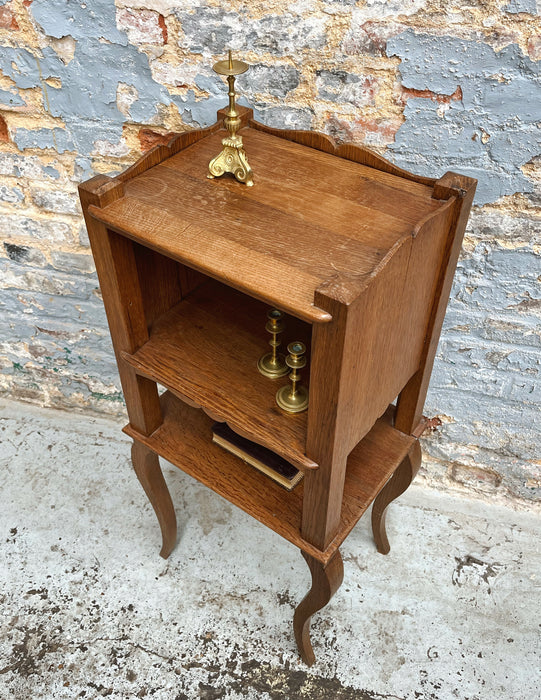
(205, 350)
(185, 440)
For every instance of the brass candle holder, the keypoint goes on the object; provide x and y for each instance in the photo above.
(294, 398)
(273, 364)
(232, 158)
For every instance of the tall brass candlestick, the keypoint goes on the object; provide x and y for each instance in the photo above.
(232, 158)
(273, 364)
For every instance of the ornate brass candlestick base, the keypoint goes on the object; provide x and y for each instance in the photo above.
(294, 398)
(273, 364)
(232, 158)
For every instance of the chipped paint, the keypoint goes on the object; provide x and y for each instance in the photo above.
(516, 6)
(490, 132)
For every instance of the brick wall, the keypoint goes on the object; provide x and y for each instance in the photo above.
(87, 86)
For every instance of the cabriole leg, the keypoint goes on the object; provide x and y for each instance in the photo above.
(326, 581)
(147, 467)
(397, 484)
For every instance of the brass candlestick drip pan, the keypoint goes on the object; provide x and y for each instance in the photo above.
(232, 158)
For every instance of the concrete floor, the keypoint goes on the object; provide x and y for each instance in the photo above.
(89, 610)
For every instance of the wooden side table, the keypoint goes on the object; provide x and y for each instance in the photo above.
(358, 253)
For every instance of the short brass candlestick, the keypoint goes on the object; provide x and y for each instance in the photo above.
(273, 364)
(232, 158)
(294, 398)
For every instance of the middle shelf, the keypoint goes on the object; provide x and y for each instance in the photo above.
(205, 350)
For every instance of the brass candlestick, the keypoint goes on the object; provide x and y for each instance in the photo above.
(294, 398)
(273, 363)
(232, 158)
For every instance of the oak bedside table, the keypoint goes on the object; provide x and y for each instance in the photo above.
(357, 253)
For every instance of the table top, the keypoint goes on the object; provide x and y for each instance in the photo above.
(311, 218)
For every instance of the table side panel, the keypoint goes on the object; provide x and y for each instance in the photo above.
(159, 281)
(388, 326)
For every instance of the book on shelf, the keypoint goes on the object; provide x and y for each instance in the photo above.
(263, 459)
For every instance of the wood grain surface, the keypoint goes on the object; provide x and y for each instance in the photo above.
(206, 349)
(459, 190)
(271, 240)
(356, 152)
(185, 440)
(326, 580)
(122, 297)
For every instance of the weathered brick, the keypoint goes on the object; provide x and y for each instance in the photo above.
(478, 479)
(376, 9)
(368, 37)
(83, 236)
(57, 139)
(339, 5)
(4, 133)
(73, 262)
(82, 170)
(142, 26)
(24, 254)
(26, 227)
(494, 277)
(56, 201)
(149, 138)
(274, 80)
(340, 86)
(126, 95)
(39, 284)
(534, 47)
(214, 30)
(516, 6)
(11, 101)
(285, 117)
(373, 131)
(65, 346)
(165, 7)
(486, 458)
(514, 229)
(479, 366)
(179, 75)
(8, 19)
(14, 195)
(30, 167)
(490, 133)
(461, 323)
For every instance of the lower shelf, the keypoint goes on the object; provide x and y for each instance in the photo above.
(185, 440)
